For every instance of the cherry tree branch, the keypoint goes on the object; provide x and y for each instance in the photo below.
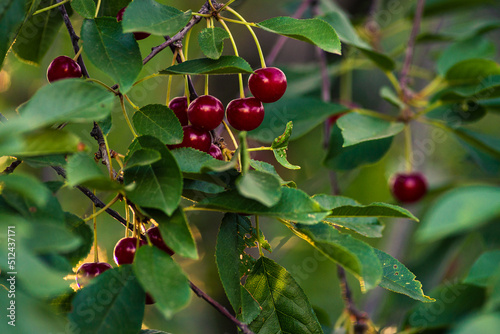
(10, 169)
(403, 80)
(74, 37)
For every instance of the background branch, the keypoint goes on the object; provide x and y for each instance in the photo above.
(10, 169)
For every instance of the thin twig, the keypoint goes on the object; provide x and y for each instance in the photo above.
(10, 169)
(244, 328)
(403, 80)
(205, 9)
(271, 57)
(74, 38)
(360, 324)
(103, 152)
(192, 92)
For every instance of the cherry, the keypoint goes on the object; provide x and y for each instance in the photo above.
(245, 114)
(408, 187)
(206, 112)
(63, 67)
(215, 152)
(179, 106)
(125, 249)
(267, 84)
(138, 35)
(197, 139)
(87, 271)
(149, 299)
(156, 239)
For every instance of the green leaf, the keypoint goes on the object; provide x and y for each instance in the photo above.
(280, 145)
(472, 71)
(399, 279)
(285, 307)
(485, 143)
(314, 31)
(474, 47)
(202, 66)
(154, 18)
(211, 41)
(347, 34)
(176, 233)
(159, 185)
(260, 186)
(49, 237)
(481, 323)
(233, 263)
(152, 331)
(460, 210)
(297, 110)
(357, 128)
(354, 255)
(83, 170)
(455, 301)
(143, 157)
(47, 142)
(390, 96)
(304, 209)
(78, 227)
(484, 269)
(37, 34)
(457, 113)
(12, 15)
(346, 207)
(111, 8)
(85, 8)
(163, 279)
(268, 168)
(194, 161)
(114, 300)
(158, 121)
(447, 7)
(113, 52)
(342, 158)
(66, 100)
(26, 186)
(488, 88)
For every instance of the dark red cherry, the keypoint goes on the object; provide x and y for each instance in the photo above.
(156, 239)
(408, 187)
(245, 114)
(88, 271)
(206, 112)
(197, 139)
(267, 84)
(179, 106)
(125, 249)
(334, 118)
(216, 152)
(138, 35)
(149, 299)
(63, 67)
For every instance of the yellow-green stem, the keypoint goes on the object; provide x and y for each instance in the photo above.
(206, 84)
(394, 81)
(146, 235)
(233, 139)
(51, 7)
(96, 253)
(75, 58)
(97, 8)
(170, 77)
(147, 78)
(257, 227)
(240, 76)
(194, 208)
(127, 119)
(94, 215)
(202, 15)
(186, 45)
(110, 167)
(127, 218)
(227, 4)
(345, 85)
(372, 113)
(256, 149)
(102, 84)
(408, 148)
(259, 49)
(429, 108)
(431, 87)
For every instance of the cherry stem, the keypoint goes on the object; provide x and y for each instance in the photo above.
(256, 149)
(145, 234)
(259, 48)
(75, 58)
(127, 119)
(107, 206)
(97, 8)
(240, 76)
(96, 253)
(227, 4)
(257, 227)
(127, 218)
(233, 139)
(408, 148)
(170, 77)
(206, 84)
(51, 7)
(102, 84)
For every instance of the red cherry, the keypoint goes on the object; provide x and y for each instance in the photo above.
(206, 112)
(138, 35)
(267, 84)
(87, 271)
(408, 187)
(149, 299)
(216, 152)
(245, 114)
(156, 239)
(125, 249)
(334, 118)
(197, 139)
(179, 106)
(63, 67)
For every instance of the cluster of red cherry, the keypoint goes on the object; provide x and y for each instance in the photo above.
(124, 253)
